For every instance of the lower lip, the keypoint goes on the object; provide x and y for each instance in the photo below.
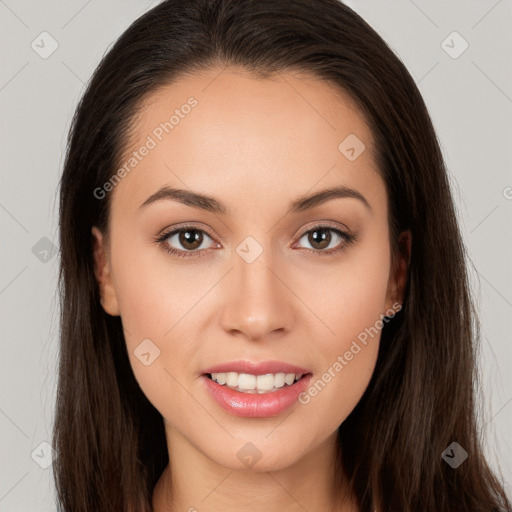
(254, 405)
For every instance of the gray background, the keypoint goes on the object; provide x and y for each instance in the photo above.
(470, 101)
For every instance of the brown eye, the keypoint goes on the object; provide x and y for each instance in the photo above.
(190, 239)
(185, 240)
(321, 237)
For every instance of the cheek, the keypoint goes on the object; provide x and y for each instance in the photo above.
(153, 294)
(158, 341)
(159, 304)
(349, 295)
(350, 305)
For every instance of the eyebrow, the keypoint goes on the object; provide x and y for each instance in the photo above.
(208, 203)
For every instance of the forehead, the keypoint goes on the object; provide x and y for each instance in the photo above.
(234, 136)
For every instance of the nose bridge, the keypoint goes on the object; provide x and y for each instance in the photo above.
(257, 302)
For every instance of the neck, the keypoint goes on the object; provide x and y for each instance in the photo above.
(193, 482)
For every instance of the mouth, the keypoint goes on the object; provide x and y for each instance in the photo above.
(259, 394)
(256, 383)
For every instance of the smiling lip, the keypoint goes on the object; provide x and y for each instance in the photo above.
(253, 405)
(256, 405)
(256, 368)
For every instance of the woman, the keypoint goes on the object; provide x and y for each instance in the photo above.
(264, 294)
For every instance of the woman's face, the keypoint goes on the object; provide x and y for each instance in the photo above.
(252, 280)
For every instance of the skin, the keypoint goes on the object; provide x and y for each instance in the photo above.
(255, 145)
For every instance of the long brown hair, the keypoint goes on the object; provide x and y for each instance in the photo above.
(109, 439)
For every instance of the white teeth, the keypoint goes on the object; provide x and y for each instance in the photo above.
(290, 377)
(279, 380)
(264, 382)
(246, 382)
(221, 378)
(231, 379)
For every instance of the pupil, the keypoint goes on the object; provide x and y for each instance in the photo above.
(191, 238)
(320, 236)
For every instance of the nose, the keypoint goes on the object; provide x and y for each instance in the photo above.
(257, 303)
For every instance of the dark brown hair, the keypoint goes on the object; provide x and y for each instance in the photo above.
(109, 439)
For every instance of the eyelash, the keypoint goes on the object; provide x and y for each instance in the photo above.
(347, 239)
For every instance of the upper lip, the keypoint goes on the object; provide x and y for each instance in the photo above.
(254, 368)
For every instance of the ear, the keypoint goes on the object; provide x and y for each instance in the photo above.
(103, 274)
(398, 277)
